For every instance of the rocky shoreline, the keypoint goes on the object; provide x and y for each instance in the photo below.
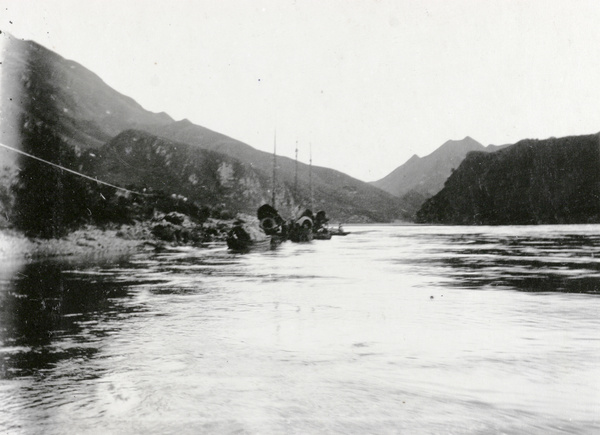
(173, 229)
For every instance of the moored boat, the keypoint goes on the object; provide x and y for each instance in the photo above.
(339, 231)
(246, 236)
(322, 235)
(320, 229)
(301, 230)
(272, 224)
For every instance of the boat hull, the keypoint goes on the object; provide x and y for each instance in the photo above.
(244, 239)
(252, 245)
(301, 235)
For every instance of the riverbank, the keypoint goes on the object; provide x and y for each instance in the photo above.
(84, 241)
(115, 239)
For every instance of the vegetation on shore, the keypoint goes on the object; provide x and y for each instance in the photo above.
(89, 239)
(118, 141)
(49, 211)
(553, 181)
(52, 212)
(46, 210)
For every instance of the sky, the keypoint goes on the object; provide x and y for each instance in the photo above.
(365, 84)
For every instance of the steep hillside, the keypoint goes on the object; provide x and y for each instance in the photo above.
(532, 182)
(422, 177)
(85, 113)
(426, 175)
(140, 160)
(91, 112)
(344, 197)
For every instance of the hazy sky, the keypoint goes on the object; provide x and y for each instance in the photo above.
(368, 82)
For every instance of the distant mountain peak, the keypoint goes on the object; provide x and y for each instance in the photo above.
(413, 159)
(467, 141)
(423, 177)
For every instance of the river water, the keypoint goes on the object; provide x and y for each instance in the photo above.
(392, 329)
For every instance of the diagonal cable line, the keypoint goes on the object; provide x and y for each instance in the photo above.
(71, 171)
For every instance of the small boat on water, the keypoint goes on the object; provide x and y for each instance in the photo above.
(267, 231)
(246, 236)
(339, 231)
(320, 230)
(322, 235)
(273, 227)
(301, 229)
(272, 224)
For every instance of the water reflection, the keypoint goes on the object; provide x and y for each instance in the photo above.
(539, 262)
(45, 316)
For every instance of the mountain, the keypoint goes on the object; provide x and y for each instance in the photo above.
(142, 161)
(343, 196)
(422, 177)
(426, 175)
(43, 88)
(553, 181)
(91, 112)
(145, 162)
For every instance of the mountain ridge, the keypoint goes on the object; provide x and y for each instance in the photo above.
(422, 177)
(413, 174)
(87, 114)
(551, 181)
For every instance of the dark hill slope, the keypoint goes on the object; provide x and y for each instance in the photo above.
(344, 197)
(138, 160)
(427, 175)
(86, 113)
(532, 182)
(422, 177)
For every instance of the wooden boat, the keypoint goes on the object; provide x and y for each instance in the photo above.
(300, 235)
(246, 236)
(322, 235)
(272, 224)
(242, 244)
(321, 230)
(301, 230)
(270, 221)
(339, 231)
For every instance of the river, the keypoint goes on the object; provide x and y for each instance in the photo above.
(391, 329)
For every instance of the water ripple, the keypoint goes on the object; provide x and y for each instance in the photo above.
(409, 329)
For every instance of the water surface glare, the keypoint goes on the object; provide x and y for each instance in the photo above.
(392, 329)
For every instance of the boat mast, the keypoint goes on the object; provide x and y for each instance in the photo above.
(310, 178)
(274, 168)
(296, 176)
